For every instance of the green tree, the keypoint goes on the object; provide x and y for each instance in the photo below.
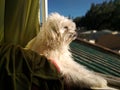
(101, 16)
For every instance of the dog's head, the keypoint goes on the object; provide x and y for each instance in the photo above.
(59, 29)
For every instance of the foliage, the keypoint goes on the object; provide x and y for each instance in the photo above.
(101, 16)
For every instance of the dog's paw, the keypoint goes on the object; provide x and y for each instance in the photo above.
(103, 88)
(99, 82)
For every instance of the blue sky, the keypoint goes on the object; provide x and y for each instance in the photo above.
(73, 8)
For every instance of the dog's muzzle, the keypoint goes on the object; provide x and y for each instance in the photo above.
(73, 35)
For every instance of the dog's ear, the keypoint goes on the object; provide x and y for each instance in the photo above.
(54, 27)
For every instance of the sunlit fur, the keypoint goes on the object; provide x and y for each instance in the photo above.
(53, 41)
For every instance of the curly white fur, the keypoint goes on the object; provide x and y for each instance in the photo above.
(53, 41)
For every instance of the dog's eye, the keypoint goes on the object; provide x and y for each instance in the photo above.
(66, 27)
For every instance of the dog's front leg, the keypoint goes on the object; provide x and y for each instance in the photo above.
(77, 74)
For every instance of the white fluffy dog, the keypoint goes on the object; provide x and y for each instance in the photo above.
(53, 42)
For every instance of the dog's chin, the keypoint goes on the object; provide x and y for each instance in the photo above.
(69, 40)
